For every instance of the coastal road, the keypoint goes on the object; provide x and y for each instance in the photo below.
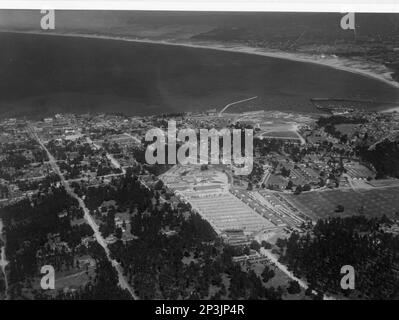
(123, 283)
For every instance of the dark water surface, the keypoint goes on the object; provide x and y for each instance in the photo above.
(46, 74)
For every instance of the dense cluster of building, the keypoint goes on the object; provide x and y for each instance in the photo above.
(91, 150)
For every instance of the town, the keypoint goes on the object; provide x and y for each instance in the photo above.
(307, 168)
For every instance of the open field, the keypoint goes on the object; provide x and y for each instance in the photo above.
(384, 183)
(284, 134)
(346, 128)
(276, 124)
(67, 280)
(373, 203)
(280, 135)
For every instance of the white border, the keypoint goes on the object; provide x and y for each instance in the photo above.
(211, 5)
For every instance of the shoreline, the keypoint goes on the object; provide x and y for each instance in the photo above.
(3, 259)
(334, 63)
(390, 110)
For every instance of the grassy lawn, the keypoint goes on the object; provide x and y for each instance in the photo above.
(373, 203)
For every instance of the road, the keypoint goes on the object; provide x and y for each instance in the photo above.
(303, 141)
(233, 103)
(391, 137)
(98, 177)
(265, 177)
(295, 129)
(74, 275)
(351, 183)
(273, 259)
(123, 283)
(115, 162)
(133, 137)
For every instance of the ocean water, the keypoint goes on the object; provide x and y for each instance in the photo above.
(42, 75)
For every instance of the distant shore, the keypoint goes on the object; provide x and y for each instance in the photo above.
(394, 109)
(364, 68)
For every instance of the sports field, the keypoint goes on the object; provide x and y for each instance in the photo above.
(280, 135)
(373, 203)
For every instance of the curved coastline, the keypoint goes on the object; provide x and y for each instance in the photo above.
(383, 76)
(222, 47)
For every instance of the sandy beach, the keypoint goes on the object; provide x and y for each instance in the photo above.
(394, 109)
(3, 261)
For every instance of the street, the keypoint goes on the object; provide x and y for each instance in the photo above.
(123, 283)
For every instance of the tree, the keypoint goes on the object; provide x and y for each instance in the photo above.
(340, 208)
(266, 245)
(255, 245)
(267, 274)
(285, 172)
(118, 233)
(298, 190)
(158, 185)
(281, 243)
(308, 291)
(293, 287)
